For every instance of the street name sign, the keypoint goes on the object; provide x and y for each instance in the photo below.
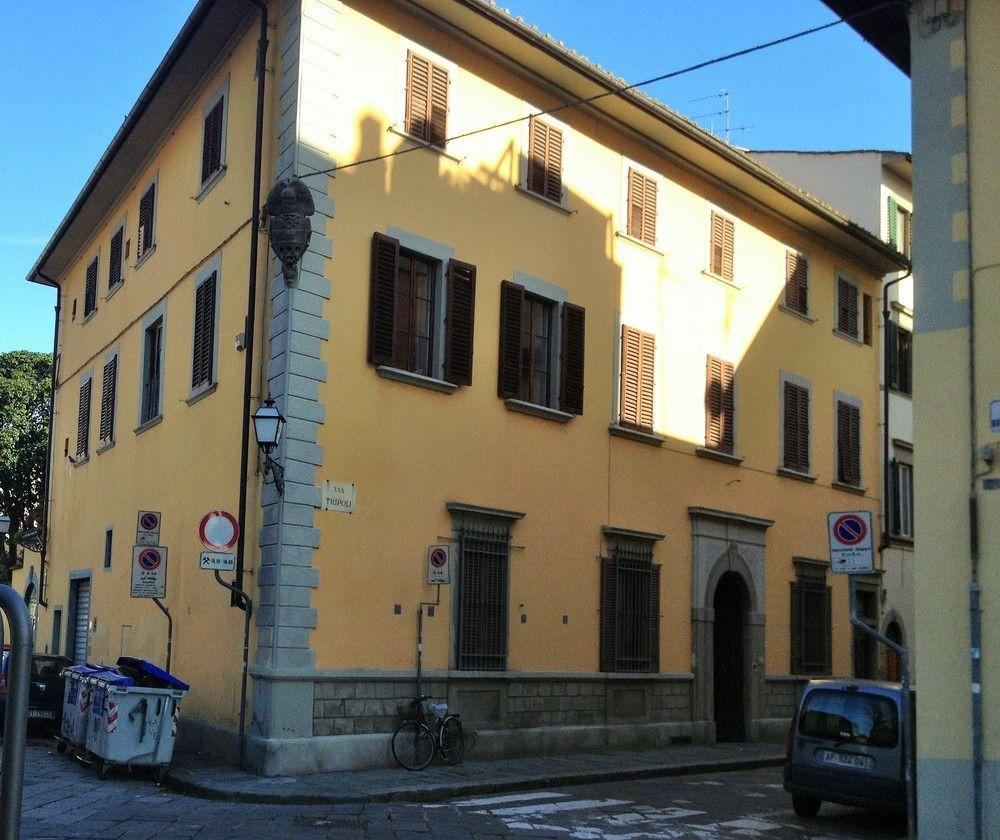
(339, 496)
(850, 533)
(218, 561)
(149, 571)
(147, 528)
(439, 564)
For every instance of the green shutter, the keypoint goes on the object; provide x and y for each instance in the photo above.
(893, 223)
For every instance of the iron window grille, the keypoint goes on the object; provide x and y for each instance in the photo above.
(811, 624)
(630, 610)
(483, 581)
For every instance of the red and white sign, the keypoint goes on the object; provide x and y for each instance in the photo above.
(850, 535)
(219, 531)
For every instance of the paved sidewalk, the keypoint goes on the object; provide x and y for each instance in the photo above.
(441, 781)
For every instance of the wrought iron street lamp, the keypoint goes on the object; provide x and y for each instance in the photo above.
(268, 423)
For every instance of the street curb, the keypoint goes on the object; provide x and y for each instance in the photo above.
(437, 793)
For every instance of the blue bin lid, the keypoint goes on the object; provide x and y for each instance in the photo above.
(151, 670)
(109, 676)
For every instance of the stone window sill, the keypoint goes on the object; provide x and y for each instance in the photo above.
(848, 337)
(104, 446)
(798, 476)
(898, 541)
(410, 378)
(89, 316)
(424, 144)
(155, 421)
(636, 241)
(206, 188)
(849, 488)
(711, 275)
(201, 392)
(718, 455)
(113, 289)
(534, 410)
(803, 316)
(541, 199)
(640, 435)
(149, 252)
(80, 460)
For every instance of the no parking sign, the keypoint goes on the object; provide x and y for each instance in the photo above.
(851, 542)
(439, 564)
(149, 571)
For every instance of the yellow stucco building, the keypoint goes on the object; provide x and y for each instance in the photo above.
(619, 368)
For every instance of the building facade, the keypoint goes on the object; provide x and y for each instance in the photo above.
(875, 189)
(947, 47)
(617, 367)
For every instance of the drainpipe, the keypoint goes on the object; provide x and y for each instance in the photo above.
(251, 316)
(47, 480)
(975, 611)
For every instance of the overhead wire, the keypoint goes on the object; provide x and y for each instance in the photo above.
(611, 92)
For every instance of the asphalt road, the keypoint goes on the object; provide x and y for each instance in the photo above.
(65, 799)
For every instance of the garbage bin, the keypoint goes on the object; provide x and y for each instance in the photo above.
(77, 697)
(134, 719)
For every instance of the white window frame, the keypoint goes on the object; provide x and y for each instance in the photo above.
(154, 181)
(221, 91)
(840, 397)
(155, 314)
(707, 270)
(529, 112)
(399, 127)
(201, 278)
(123, 227)
(621, 228)
(802, 382)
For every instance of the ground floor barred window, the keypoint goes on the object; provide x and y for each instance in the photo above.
(483, 578)
(630, 608)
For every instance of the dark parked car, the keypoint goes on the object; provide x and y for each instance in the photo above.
(846, 746)
(45, 697)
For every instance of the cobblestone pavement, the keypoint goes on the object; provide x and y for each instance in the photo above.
(64, 799)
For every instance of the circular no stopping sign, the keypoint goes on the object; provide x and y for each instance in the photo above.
(439, 558)
(850, 529)
(149, 521)
(219, 530)
(150, 559)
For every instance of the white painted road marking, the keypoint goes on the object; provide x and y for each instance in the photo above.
(516, 797)
(554, 807)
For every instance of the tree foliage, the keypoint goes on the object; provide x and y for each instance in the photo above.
(24, 431)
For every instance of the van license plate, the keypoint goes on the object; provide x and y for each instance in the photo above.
(858, 762)
(41, 713)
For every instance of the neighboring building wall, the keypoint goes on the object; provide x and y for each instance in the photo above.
(955, 73)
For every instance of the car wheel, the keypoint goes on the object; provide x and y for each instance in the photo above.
(61, 747)
(806, 806)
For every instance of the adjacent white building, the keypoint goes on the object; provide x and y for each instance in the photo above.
(875, 189)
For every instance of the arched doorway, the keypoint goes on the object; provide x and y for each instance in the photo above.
(730, 604)
(893, 668)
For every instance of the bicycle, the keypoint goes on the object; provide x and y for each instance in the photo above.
(414, 742)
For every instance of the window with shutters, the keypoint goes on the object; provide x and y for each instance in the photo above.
(146, 232)
(109, 388)
(150, 404)
(720, 406)
(640, 212)
(847, 308)
(866, 319)
(483, 579)
(865, 647)
(811, 620)
(899, 358)
(848, 443)
(901, 497)
(797, 282)
(904, 228)
(83, 419)
(630, 608)
(545, 159)
(541, 351)
(636, 396)
(90, 290)
(116, 259)
(795, 426)
(203, 350)
(427, 84)
(421, 313)
(722, 246)
(213, 141)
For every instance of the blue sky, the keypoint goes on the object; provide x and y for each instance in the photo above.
(69, 88)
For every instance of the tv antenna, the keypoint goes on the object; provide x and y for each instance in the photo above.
(725, 112)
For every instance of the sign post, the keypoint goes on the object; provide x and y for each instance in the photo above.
(438, 572)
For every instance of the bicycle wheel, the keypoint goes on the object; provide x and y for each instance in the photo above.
(413, 745)
(452, 741)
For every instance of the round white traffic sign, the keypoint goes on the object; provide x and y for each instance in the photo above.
(219, 531)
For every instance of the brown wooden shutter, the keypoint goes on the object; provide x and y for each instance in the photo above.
(654, 620)
(796, 282)
(203, 353)
(722, 246)
(144, 239)
(608, 636)
(847, 308)
(637, 378)
(553, 165)
(459, 323)
(796, 428)
(108, 388)
(538, 143)
(438, 117)
(848, 443)
(867, 318)
(509, 374)
(115, 258)
(795, 627)
(571, 360)
(83, 421)
(382, 298)
(719, 405)
(90, 291)
(418, 96)
(641, 207)
(211, 145)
